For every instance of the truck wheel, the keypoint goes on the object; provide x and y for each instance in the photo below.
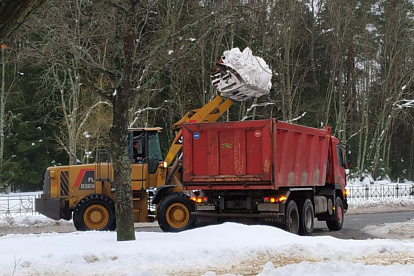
(174, 213)
(95, 212)
(307, 218)
(292, 217)
(337, 220)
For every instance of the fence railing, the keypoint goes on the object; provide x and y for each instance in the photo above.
(24, 204)
(17, 205)
(380, 192)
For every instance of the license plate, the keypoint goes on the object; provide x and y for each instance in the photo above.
(206, 208)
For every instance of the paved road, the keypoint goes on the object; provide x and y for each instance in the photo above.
(354, 224)
(352, 229)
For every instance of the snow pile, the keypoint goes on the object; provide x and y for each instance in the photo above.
(231, 249)
(392, 230)
(252, 69)
(369, 180)
(28, 221)
(386, 205)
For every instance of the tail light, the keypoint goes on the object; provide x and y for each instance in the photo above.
(199, 199)
(274, 199)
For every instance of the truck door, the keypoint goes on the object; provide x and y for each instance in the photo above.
(338, 163)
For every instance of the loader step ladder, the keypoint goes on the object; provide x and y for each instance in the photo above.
(104, 171)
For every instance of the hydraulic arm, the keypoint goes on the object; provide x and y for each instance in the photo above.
(208, 113)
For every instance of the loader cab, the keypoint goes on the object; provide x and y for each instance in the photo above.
(147, 145)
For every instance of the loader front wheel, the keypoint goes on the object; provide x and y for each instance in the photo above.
(95, 212)
(174, 213)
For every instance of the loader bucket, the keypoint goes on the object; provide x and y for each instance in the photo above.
(241, 76)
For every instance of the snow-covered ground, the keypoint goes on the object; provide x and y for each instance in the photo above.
(227, 249)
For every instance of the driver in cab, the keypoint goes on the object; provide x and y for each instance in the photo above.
(138, 155)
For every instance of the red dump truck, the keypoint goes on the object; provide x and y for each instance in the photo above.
(265, 172)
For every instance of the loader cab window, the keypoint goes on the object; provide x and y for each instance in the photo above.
(137, 147)
(144, 147)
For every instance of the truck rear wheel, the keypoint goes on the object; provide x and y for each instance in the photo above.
(292, 217)
(174, 213)
(307, 215)
(95, 212)
(337, 221)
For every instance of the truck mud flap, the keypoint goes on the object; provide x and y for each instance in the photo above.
(48, 207)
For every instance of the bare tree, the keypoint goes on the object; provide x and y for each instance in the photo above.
(67, 26)
(287, 36)
(13, 13)
(339, 26)
(394, 77)
(7, 85)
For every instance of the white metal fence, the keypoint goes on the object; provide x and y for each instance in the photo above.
(379, 192)
(17, 205)
(24, 204)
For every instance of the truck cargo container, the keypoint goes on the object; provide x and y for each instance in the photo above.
(266, 172)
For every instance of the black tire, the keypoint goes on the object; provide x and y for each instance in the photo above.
(307, 216)
(337, 220)
(174, 213)
(95, 212)
(292, 217)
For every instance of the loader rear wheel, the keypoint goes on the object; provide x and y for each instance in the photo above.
(174, 213)
(95, 212)
(307, 215)
(337, 221)
(292, 217)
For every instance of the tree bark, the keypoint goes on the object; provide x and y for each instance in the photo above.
(119, 149)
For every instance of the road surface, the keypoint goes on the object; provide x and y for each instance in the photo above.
(352, 228)
(354, 224)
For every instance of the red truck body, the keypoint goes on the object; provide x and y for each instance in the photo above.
(262, 154)
(266, 172)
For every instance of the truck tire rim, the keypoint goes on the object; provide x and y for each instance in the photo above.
(177, 215)
(96, 216)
